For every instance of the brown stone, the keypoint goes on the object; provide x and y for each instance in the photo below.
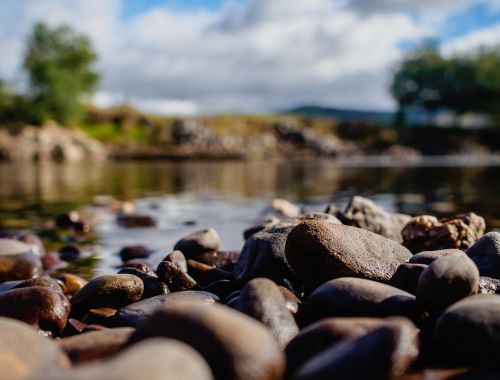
(17, 261)
(175, 278)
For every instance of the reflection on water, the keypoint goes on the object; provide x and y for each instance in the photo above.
(229, 195)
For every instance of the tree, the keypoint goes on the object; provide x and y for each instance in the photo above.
(59, 64)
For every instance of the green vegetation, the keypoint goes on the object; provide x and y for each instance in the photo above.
(462, 83)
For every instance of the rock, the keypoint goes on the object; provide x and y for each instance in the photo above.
(321, 251)
(219, 259)
(280, 209)
(364, 213)
(488, 265)
(142, 271)
(205, 274)
(198, 242)
(292, 302)
(426, 233)
(357, 297)
(468, 332)
(103, 316)
(155, 359)
(325, 333)
(43, 308)
(234, 345)
(489, 244)
(221, 288)
(95, 345)
(27, 237)
(134, 252)
(73, 283)
(45, 282)
(69, 253)
(259, 227)
(138, 264)
(51, 262)
(132, 220)
(177, 258)
(446, 281)
(153, 286)
(406, 277)
(262, 299)
(427, 257)
(17, 261)
(134, 314)
(383, 353)
(175, 278)
(114, 291)
(488, 285)
(25, 353)
(263, 255)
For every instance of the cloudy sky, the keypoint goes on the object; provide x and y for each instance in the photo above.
(189, 57)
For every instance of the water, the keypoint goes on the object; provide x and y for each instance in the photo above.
(229, 195)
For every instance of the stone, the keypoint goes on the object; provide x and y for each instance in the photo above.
(73, 283)
(134, 252)
(357, 297)
(114, 291)
(25, 353)
(45, 282)
(427, 257)
(205, 274)
(153, 286)
(134, 314)
(366, 214)
(325, 333)
(177, 258)
(198, 242)
(292, 302)
(221, 288)
(69, 253)
(427, 233)
(219, 259)
(27, 237)
(406, 277)
(281, 209)
(262, 299)
(234, 345)
(489, 244)
(488, 265)
(154, 359)
(259, 227)
(132, 220)
(468, 332)
(384, 353)
(101, 316)
(17, 261)
(446, 281)
(43, 308)
(51, 262)
(175, 278)
(488, 285)
(321, 251)
(95, 345)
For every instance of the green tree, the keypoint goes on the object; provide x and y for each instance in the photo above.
(59, 64)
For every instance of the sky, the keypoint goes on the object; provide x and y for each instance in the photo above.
(188, 57)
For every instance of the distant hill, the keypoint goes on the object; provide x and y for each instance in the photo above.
(341, 114)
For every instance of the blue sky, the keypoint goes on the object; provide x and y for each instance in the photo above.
(197, 57)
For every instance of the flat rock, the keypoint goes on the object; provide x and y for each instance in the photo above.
(357, 297)
(234, 345)
(25, 353)
(321, 251)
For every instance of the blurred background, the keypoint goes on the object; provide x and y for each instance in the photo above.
(202, 112)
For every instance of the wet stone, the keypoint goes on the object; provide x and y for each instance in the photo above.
(205, 274)
(177, 258)
(175, 278)
(101, 316)
(45, 282)
(321, 251)
(134, 252)
(198, 242)
(17, 261)
(72, 283)
(219, 259)
(234, 345)
(112, 291)
(41, 307)
(262, 299)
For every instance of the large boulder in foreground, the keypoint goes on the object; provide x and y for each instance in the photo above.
(319, 251)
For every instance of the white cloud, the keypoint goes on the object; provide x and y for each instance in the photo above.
(259, 55)
(487, 37)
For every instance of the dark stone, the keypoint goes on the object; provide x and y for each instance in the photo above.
(489, 244)
(262, 299)
(175, 278)
(427, 257)
(234, 345)
(43, 308)
(45, 282)
(406, 277)
(101, 316)
(205, 274)
(384, 353)
(446, 281)
(259, 227)
(364, 213)
(177, 258)
(138, 264)
(323, 334)
(137, 312)
(321, 251)
(95, 345)
(219, 259)
(72, 283)
(426, 233)
(25, 353)
(198, 242)
(488, 265)
(69, 253)
(134, 252)
(114, 291)
(356, 297)
(142, 272)
(129, 220)
(221, 288)
(17, 261)
(468, 332)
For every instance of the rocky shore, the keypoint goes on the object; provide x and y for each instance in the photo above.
(358, 293)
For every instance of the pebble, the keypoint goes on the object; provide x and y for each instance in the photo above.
(69, 253)
(427, 257)
(17, 261)
(198, 242)
(406, 277)
(234, 345)
(177, 258)
(72, 283)
(131, 252)
(175, 278)
(321, 251)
